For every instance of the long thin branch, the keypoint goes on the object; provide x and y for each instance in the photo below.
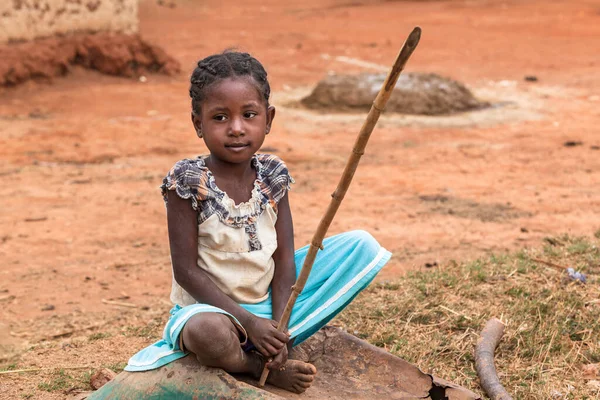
(16, 371)
(359, 149)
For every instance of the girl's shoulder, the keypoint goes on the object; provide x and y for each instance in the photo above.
(270, 165)
(275, 176)
(189, 179)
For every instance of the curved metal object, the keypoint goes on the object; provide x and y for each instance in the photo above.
(349, 368)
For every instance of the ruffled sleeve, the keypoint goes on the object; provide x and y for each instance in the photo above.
(188, 179)
(275, 177)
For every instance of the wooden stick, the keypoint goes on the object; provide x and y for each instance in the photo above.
(359, 149)
(456, 313)
(16, 371)
(484, 360)
(119, 303)
(548, 263)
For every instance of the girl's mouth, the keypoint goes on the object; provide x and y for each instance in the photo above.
(237, 146)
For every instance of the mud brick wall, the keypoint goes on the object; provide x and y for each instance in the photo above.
(23, 20)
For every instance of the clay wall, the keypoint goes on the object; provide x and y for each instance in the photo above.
(23, 20)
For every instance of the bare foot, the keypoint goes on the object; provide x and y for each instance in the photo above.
(296, 376)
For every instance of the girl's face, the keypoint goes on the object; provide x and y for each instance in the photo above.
(233, 119)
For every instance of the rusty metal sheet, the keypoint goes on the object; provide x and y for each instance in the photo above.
(348, 368)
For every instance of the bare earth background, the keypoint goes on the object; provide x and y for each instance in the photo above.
(81, 157)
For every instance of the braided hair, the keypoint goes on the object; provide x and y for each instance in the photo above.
(226, 65)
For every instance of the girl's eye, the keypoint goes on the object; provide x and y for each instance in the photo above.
(249, 114)
(220, 117)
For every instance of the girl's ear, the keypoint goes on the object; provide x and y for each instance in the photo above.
(197, 124)
(270, 118)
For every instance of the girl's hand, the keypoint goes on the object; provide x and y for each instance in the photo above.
(266, 338)
(279, 360)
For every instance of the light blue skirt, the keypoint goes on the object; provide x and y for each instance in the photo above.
(348, 263)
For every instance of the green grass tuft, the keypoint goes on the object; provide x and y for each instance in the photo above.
(116, 367)
(98, 335)
(59, 381)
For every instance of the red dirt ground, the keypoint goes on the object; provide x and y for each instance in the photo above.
(81, 158)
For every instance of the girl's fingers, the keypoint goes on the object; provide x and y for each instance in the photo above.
(285, 332)
(261, 349)
(278, 361)
(271, 351)
(274, 364)
(278, 344)
(281, 336)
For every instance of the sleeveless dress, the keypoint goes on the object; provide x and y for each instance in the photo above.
(235, 247)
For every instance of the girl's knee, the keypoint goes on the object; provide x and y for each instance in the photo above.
(364, 238)
(208, 331)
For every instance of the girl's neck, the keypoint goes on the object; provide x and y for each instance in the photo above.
(228, 170)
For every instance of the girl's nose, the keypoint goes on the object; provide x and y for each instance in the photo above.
(236, 127)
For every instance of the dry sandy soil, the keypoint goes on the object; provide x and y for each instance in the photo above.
(81, 157)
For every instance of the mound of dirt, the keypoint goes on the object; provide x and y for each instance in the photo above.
(109, 53)
(415, 93)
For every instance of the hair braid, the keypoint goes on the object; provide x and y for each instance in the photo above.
(226, 65)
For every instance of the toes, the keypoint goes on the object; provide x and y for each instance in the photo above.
(307, 368)
(304, 385)
(305, 378)
(298, 388)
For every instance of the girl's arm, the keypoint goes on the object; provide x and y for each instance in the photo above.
(285, 272)
(182, 222)
(285, 267)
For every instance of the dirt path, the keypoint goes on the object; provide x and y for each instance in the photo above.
(81, 158)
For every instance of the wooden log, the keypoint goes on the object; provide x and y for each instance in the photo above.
(484, 360)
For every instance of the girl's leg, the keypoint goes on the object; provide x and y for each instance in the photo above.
(348, 263)
(215, 341)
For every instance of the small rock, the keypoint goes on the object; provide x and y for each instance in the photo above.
(531, 78)
(524, 230)
(590, 370)
(101, 378)
(572, 143)
(595, 147)
(431, 264)
(48, 307)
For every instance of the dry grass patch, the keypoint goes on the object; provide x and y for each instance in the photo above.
(433, 318)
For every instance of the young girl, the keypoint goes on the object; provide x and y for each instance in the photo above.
(232, 241)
